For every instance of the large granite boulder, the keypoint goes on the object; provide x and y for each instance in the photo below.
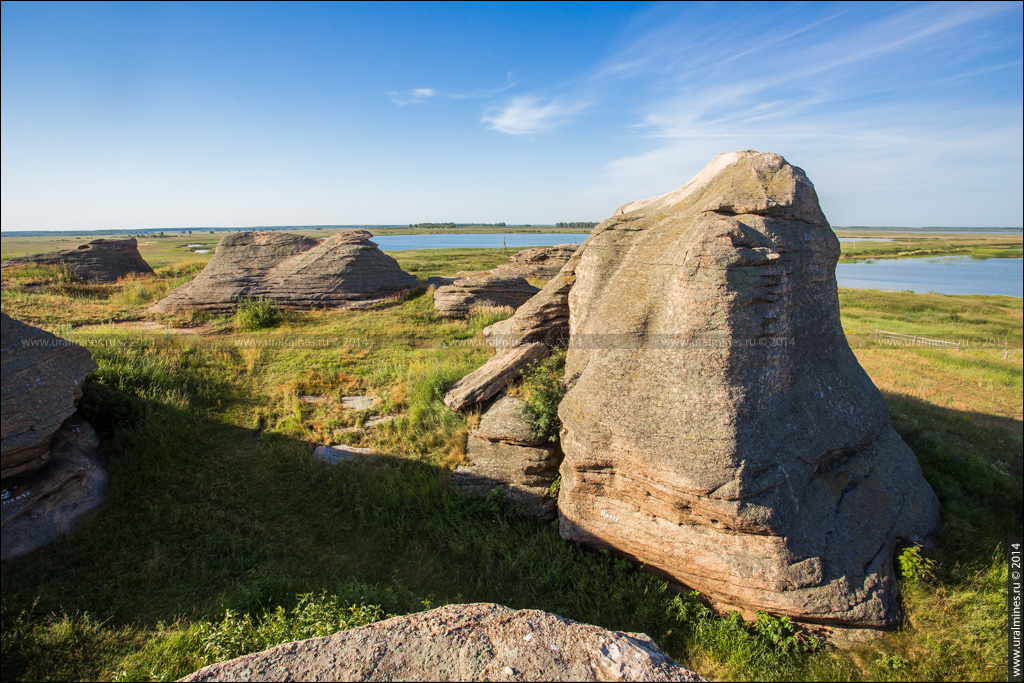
(718, 427)
(345, 270)
(492, 377)
(42, 381)
(537, 262)
(475, 642)
(466, 295)
(102, 260)
(503, 453)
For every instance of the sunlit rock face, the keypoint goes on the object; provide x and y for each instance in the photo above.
(718, 427)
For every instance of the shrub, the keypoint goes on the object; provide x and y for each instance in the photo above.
(256, 314)
(542, 391)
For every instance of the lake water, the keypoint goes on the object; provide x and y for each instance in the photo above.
(479, 241)
(942, 274)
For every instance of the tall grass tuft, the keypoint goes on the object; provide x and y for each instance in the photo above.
(257, 314)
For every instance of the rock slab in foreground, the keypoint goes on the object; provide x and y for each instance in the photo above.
(718, 427)
(42, 381)
(102, 260)
(492, 377)
(476, 642)
(461, 298)
(43, 505)
(346, 270)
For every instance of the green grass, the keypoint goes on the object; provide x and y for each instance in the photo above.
(220, 535)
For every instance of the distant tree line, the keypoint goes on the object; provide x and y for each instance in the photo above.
(576, 224)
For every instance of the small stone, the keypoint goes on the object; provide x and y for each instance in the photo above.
(357, 402)
(338, 454)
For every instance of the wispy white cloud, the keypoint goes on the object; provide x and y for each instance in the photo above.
(529, 115)
(421, 95)
(873, 110)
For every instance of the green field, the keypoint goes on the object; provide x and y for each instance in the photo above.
(220, 535)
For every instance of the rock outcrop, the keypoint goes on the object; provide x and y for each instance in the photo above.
(42, 381)
(52, 470)
(503, 453)
(492, 377)
(475, 642)
(461, 298)
(718, 427)
(102, 260)
(536, 327)
(537, 262)
(346, 270)
(47, 503)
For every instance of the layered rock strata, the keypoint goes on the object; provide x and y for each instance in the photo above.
(537, 262)
(530, 334)
(466, 295)
(718, 427)
(474, 642)
(503, 453)
(102, 260)
(346, 270)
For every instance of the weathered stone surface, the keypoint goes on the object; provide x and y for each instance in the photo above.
(42, 382)
(537, 262)
(338, 454)
(504, 421)
(718, 427)
(503, 453)
(475, 642)
(461, 298)
(345, 270)
(524, 472)
(357, 402)
(545, 317)
(492, 377)
(101, 260)
(45, 504)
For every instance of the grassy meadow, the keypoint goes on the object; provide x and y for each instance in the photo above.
(220, 535)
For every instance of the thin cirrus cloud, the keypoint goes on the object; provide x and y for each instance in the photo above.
(529, 115)
(921, 101)
(421, 95)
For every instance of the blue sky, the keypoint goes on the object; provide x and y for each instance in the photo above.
(165, 115)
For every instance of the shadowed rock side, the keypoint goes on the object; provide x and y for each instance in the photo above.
(718, 427)
(475, 642)
(47, 503)
(345, 270)
(465, 295)
(537, 262)
(103, 260)
(42, 381)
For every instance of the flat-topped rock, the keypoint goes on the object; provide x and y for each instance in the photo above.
(346, 270)
(475, 642)
(717, 427)
(101, 260)
(537, 262)
(338, 454)
(462, 297)
(42, 382)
